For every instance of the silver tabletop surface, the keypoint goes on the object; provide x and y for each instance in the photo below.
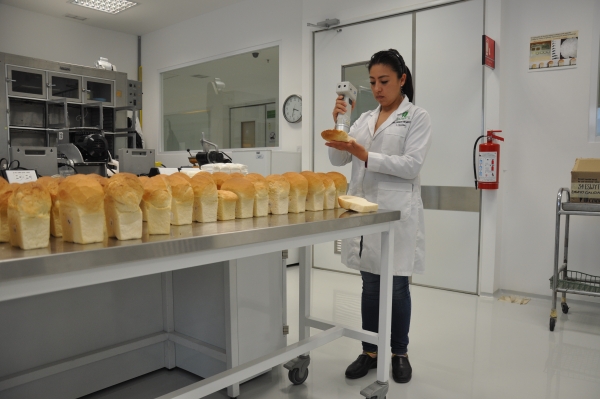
(64, 257)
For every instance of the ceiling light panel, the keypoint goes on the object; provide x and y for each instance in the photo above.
(108, 6)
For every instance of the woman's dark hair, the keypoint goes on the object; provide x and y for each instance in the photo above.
(394, 60)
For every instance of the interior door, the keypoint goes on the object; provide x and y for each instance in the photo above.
(343, 54)
(448, 84)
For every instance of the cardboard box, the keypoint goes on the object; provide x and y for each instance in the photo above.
(585, 180)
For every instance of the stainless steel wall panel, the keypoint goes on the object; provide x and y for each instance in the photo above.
(445, 198)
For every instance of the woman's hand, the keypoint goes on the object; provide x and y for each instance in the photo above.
(340, 107)
(352, 147)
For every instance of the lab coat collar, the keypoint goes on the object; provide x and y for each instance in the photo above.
(404, 106)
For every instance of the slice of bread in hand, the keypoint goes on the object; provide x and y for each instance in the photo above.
(336, 135)
(357, 204)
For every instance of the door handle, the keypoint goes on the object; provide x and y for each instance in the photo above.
(10, 80)
(49, 85)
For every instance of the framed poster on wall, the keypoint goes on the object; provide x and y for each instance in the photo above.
(553, 52)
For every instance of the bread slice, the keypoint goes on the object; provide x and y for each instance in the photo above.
(316, 191)
(81, 202)
(5, 193)
(51, 185)
(341, 185)
(29, 216)
(357, 204)
(226, 205)
(206, 200)
(298, 192)
(336, 135)
(245, 191)
(261, 198)
(330, 195)
(279, 194)
(157, 204)
(182, 203)
(123, 195)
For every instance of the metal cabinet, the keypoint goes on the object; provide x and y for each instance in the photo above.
(98, 90)
(26, 82)
(65, 86)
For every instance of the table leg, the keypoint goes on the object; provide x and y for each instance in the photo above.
(168, 318)
(231, 323)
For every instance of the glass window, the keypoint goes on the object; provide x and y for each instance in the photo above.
(358, 75)
(233, 100)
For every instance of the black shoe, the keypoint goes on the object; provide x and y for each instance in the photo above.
(361, 366)
(401, 370)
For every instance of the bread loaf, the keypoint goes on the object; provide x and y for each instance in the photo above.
(245, 191)
(261, 198)
(330, 195)
(357, 204)
(51, 185)
(316, 191)
(81, 203)
(341, 185)
(226, 205)
(206, 200)
(279, 194)
(123, 195)
(298, 192)
(157, 203)
(29, 216)
(336, 135)
(5, 193)
(219, 178)
(182, 203)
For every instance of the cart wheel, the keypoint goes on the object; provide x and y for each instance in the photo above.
(296, 378)
(565, 308)
(552, 323)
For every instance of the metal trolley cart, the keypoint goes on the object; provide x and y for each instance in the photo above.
(564, 280)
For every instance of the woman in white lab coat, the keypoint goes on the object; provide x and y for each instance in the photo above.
(387, 156)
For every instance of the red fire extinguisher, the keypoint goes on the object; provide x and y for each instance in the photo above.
(486, 167)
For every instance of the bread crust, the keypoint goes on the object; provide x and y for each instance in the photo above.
(30, 200)
(219, 178)
(181, 188)
(157, 192)
(82, 191)
(336, 135)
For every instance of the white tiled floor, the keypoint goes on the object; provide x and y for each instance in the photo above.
(462, 346)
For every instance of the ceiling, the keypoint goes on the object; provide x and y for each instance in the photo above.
(147, 16)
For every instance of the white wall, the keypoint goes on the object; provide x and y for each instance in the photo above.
(234, 29)
(545, 121)
(36, 35)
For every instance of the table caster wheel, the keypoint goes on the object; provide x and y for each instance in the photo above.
(296, 378)
(552, 323)
(565, 308)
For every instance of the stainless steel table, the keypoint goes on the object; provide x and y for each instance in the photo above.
(64, 266)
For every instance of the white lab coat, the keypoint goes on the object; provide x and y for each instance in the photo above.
(397, 151)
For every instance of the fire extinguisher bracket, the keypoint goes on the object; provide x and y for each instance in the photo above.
(486, 166)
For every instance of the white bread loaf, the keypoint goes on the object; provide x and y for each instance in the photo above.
(81, 202)
(298, 192)
(357, 204)
(143, 180)
(157, 201)
(182, 203)
(5, 193)
(29, 216)
(261, 198)
(330, 196)
(226, 205)
(51, 185)
(279, 194)
(245, 191)
(316, 191)
(123, 195)
(336, 135)
(219, 178)
(341, 185)
(206, 200)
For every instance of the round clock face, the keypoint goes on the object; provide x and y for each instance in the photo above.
(292, 108)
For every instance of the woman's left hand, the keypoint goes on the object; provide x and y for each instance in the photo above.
(352, 147)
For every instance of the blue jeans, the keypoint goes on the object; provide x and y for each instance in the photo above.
(401, 306)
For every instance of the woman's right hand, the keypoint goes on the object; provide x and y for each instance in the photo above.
(340, 107)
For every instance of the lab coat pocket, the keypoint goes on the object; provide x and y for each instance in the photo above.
(393, 141)
(395, 196)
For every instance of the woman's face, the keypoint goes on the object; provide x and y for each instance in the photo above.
(385, 84)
